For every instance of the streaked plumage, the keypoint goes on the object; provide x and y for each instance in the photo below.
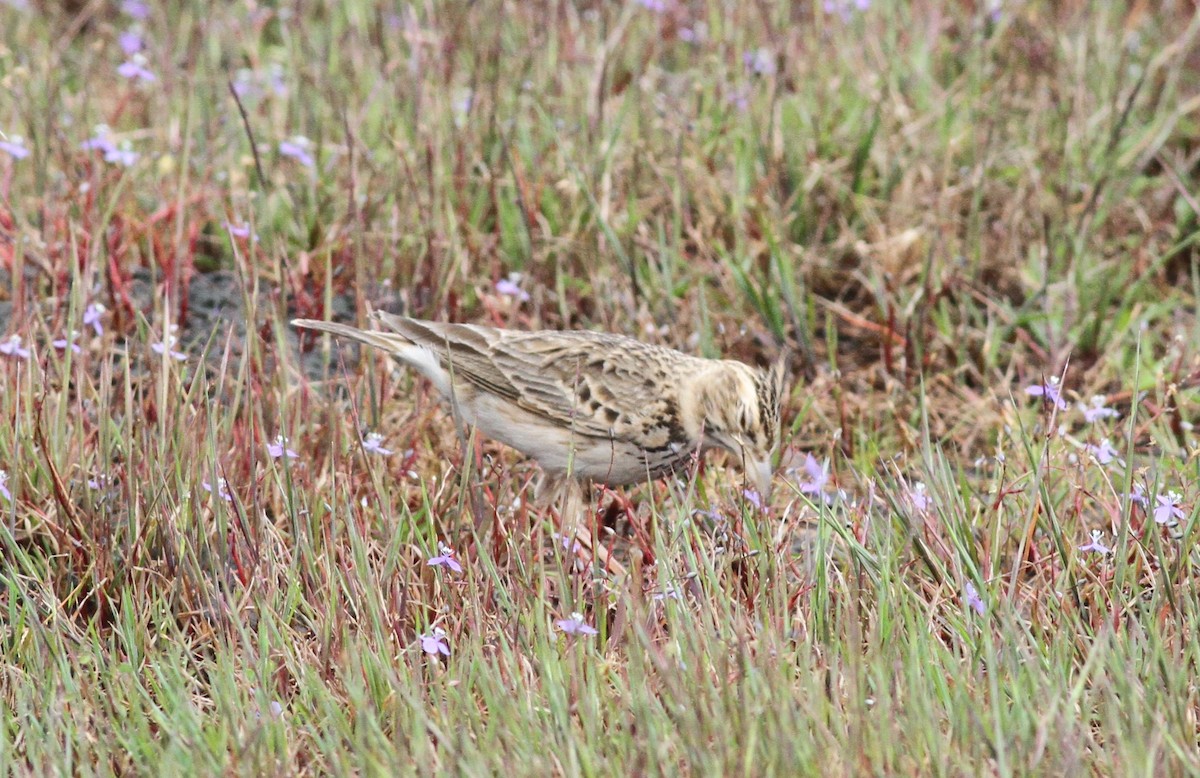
(587, 405)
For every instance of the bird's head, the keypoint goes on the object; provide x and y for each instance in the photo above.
(740, 405)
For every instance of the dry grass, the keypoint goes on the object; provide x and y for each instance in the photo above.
(937, 208)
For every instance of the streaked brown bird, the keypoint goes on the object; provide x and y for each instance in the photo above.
(588, 406)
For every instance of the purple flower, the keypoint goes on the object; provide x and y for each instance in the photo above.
(1049, 392)
(11, 347)
(135, 9)
(221, 489)
(1104, 453)
(100, 140)
(373, 444)
(575, 625)
(99, 482)
(122, 155)
(434, 643)
(919, 497)
(241, 230)
(509, 287)
(739, 98)
(15, 147)
(1097, 410)
(697, 33)
(130, 42)
(760, 62)
(1095, 544)
(91, 317)
(754, 498)
(445, 558)
(569, 542)
(973, 599)
(68, 342)
(297, 149)
(167, 346)
(1168, 511)
(845, 8)
(818, 475)
(4, 486)
(278, 448)
(135, 68)
(1138, 495)
(657, 6)
(462, 106)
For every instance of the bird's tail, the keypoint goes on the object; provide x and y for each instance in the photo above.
(388, 341)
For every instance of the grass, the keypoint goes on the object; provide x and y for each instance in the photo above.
(935, 206)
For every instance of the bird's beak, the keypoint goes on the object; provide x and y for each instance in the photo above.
(762, 473)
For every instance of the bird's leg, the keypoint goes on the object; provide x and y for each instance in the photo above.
(573, 516)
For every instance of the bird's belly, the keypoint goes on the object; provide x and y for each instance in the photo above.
(561, 450)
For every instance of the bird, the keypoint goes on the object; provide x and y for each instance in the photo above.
(589, 407)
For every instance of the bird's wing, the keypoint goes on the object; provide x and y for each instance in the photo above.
(600, 385)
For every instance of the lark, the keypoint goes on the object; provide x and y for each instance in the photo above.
(589, 406)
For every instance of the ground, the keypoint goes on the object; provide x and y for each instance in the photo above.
(974, 224)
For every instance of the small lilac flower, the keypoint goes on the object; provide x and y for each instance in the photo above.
(1097, 410)
(92, 315)
(278, 448)
(100, 140)
(99, 482)
(818, 476)
(739, 98)
(1095, 544)
(1049, 392)
(136, 9)
(135, 68)
(445, 558)
(697, 33)
(297, 148)
(569, 543)
(68, 342)
(14, 147)
(1168, 511)
(509, 287)
(244, 83)
(754, 498)
(167, 346)
(575, 625)
(919, 497)
(657, 6)
(122, 155)
(760, 62)
(4, 486)
(434, 642)
(241, 230)
(845, 8)
(11, 347)
(1138, 496)
(221, 489)
(462, 106)
(16, 5)
(373, 444)
(1104, 453)
(974, 600)
(130, 42)
(275, 77)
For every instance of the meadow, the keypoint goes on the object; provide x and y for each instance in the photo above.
(226, 550)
